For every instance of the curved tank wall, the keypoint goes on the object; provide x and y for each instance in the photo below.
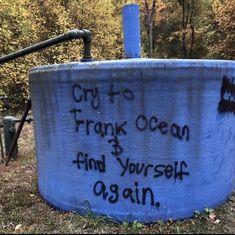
(137, 139)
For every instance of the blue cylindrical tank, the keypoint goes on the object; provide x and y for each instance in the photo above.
(138, 139)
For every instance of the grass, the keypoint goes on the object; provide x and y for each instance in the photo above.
(22, 210)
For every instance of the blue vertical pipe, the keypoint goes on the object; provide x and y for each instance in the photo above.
(131, 28)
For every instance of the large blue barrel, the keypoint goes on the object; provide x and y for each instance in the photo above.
(137, 139)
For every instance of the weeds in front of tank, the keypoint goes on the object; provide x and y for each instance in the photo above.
(207, 214)
(197, 214)
(160, 223)
(208, 211)
(94, 219)
(178, 230)
(87, 207)
(132, 228)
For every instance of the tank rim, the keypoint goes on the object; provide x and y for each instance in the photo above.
(135, 63)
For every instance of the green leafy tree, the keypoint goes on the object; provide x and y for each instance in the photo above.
(221, 30)
(27, 22)
(14, 34)
(178, 30)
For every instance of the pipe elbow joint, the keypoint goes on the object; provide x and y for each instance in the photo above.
(87, 36)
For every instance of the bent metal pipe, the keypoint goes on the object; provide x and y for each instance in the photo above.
(73, 34)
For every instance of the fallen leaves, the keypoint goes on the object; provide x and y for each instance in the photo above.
(18, 226)
(213, 218)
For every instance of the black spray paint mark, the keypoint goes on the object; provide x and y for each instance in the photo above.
(126, 93)
(134, 195)
(152, 124)
(227, 96)
(87, 95)
(117, 148)
(176, 170)
(100, 128)
(83, 161)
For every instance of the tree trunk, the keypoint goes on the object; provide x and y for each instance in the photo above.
(150, 41)
(192, 41)
(192, 28)
(188, 11)
(184, 47)
(149, 23)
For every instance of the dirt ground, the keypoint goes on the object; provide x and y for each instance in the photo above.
(22, 210)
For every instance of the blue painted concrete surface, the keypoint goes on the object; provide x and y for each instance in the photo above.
(138, 139)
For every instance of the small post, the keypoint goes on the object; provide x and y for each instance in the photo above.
(9, 134)
(14, 146)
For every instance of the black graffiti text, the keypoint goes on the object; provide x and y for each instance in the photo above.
(153, 124)
(84, 162)
(100, 128)
(126, 93)
(175, 171)
(117, 148)
(136, 195)
(89, 95)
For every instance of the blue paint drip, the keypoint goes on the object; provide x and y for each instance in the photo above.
(131, 28)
